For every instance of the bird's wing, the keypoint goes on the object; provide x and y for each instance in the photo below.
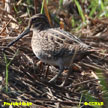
(62, 43)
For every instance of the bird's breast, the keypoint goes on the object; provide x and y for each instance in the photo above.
(40, 49)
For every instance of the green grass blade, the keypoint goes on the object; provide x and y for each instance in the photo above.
(42, 7)
(80, 10)
(80, 101)
(60, 3)
(102, 5)
(6, 75)
(7, 69)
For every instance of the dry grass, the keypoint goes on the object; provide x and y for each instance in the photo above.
(28, 80)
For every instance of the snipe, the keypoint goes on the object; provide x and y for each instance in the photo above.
(53, 45)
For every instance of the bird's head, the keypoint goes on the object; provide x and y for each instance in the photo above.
(36, 22)
(39, 22)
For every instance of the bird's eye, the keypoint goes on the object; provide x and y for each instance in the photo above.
(33, 20)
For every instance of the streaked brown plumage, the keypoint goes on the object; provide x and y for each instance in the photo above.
(53, 45)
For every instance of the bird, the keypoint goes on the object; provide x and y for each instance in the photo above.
(54, 46)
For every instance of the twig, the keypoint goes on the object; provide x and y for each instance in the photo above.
(5, 27)
(85, 82)
(93, 66)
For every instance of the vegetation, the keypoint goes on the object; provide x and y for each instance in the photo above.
(24, 77)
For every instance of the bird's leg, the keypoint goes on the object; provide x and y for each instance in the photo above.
(70, 67)
(40, 65)
(47, 71)
(57, 75)
(67, 76)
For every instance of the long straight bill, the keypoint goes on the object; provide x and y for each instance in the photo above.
(19, 37)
